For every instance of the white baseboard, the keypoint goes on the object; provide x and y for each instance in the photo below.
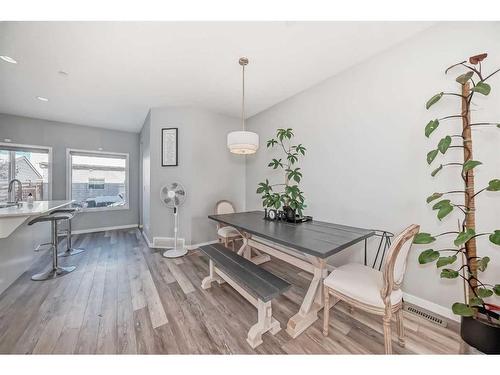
(197, 245)
(145, 236)
(165, 242)
(104, 229)
(151, 245)
(431, 306)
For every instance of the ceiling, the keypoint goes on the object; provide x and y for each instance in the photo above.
(116, 71)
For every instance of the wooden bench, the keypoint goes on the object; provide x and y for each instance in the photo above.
(257, 285)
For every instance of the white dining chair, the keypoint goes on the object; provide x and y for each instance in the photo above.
(377, 292)
(226, 234)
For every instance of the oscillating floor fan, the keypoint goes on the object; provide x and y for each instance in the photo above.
(173, 195)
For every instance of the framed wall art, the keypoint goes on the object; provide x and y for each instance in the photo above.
(169, 147)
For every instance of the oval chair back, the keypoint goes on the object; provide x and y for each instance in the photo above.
(395, 266)
(224, 207)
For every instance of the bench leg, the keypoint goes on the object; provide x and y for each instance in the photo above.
(206, 283)
(265, 322)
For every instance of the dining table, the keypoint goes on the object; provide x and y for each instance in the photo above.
(306, 245)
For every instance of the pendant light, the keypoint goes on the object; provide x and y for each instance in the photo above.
(243, 142)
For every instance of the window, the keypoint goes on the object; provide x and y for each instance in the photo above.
(98, 180)
(30, 165)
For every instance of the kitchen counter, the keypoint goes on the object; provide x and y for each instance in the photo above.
(12, 217)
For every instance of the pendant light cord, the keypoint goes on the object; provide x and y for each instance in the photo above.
(243, 101)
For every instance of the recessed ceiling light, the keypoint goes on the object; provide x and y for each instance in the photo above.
(8, 59)
(42, 99)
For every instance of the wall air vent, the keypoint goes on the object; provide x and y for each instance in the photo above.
(426, 314)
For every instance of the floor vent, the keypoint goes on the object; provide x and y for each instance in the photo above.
(426, 314)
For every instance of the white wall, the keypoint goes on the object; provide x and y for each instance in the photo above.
(364, 130)
(206, 169)
(145, 181)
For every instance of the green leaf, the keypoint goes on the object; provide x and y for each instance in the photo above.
(433, 197)
(271, 143)
(449, 274)
(292, 158)
(431, 155)
(444, 144)
(435, 171)
(476, 301)
(496, 289)
(482, 88)
(428, 256)
(275, 164)
(493, 185)
(444, 211)
(444, 207)
(484, 292)
(441, 204)
(423, 238)
(462, 79)
(482, 263)
(470, 164)
(495, 237)
(294, 174)
(443, 261)
(465, 236)
(301, 149)
(462, 309)
(430, 127)
(433, 100)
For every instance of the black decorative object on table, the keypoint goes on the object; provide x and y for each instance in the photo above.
(272, 214)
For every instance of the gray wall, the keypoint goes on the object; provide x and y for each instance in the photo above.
(364, 131)
(59, 136)
(207, 170)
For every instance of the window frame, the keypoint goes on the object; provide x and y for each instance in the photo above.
(98, 153)
(23, 147)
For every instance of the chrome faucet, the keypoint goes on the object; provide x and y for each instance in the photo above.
(11, 184)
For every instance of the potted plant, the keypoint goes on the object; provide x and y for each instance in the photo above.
(480, 324)
(288, 193)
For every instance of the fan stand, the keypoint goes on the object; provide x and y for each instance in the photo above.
(174, 252)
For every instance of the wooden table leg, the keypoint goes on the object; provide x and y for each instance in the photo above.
(246, 251)
(313, 301)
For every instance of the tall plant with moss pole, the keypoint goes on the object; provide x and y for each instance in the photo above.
(473, 81)
(287, 193)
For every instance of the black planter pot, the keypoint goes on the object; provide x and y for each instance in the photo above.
(289, 214)
(480, 334)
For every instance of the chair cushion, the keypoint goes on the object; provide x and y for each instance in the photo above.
(228, 232)
(361, 283)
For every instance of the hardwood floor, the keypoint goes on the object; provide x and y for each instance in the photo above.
(127, 298)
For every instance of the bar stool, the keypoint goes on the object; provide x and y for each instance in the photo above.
(56, 270)
(72, 212)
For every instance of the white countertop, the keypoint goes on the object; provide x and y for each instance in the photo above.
(38, 208)
(12, 217)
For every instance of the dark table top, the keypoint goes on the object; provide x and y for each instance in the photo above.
(316, 238)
